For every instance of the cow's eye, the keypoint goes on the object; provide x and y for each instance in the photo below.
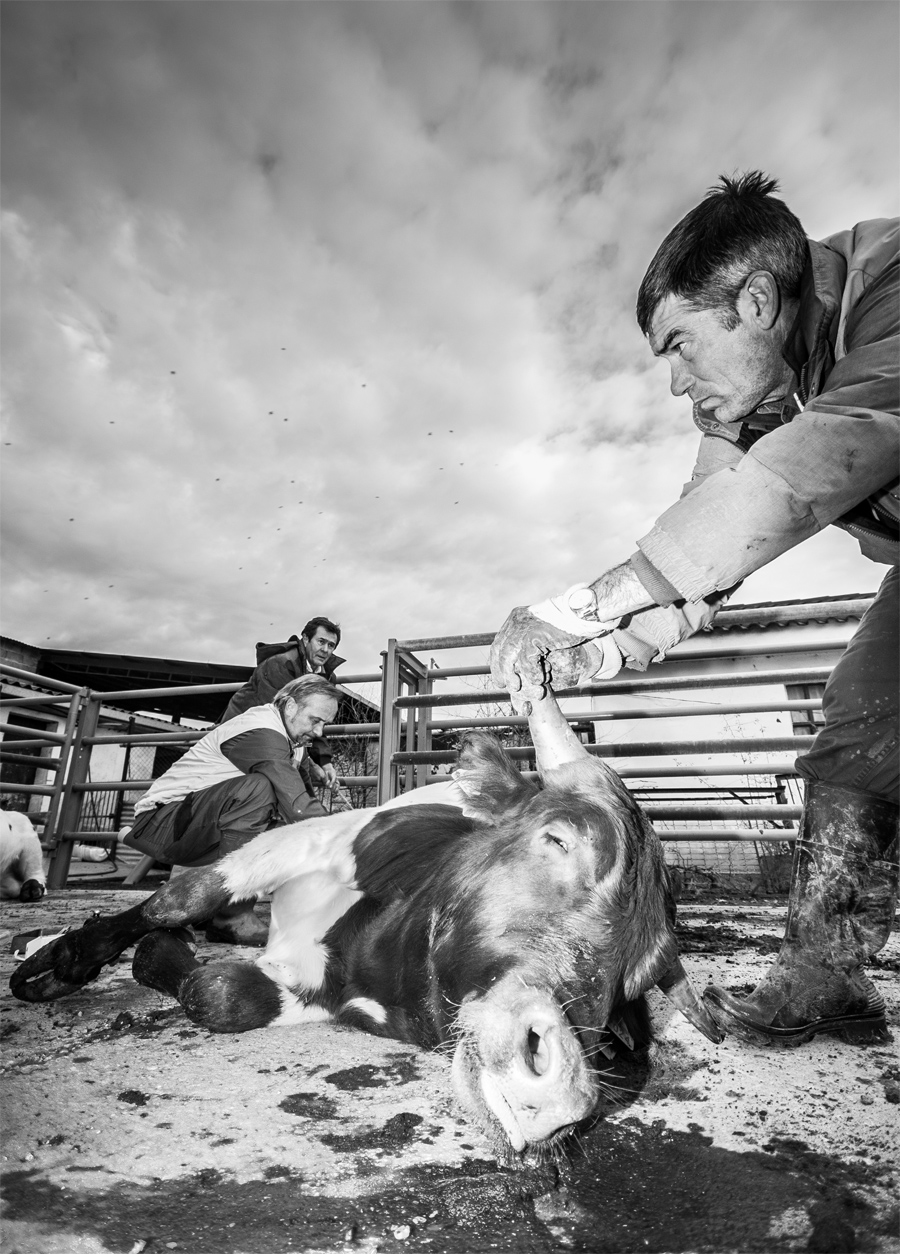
(552, 839)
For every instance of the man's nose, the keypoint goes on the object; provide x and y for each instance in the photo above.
(681, 378)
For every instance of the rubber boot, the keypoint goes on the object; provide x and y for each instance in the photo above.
(238, 924)
(840, 912)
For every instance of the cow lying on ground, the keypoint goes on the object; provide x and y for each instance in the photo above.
(21, 859)
(520, 926)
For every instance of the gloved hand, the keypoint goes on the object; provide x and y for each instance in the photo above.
(593, 660)
(532, 632)
(519, 649)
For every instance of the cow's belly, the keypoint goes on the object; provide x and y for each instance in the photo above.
(303, 909)
(320, 890)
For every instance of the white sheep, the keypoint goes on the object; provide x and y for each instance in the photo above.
(21, 859)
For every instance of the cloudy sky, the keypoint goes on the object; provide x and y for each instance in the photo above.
(327, 307)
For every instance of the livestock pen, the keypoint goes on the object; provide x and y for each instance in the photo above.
(706, 740)
(128, 1129)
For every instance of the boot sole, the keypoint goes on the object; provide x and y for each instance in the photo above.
(855, 1029)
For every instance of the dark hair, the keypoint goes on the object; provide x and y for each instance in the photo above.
(737, 228)
(310, 629)
(302, 689)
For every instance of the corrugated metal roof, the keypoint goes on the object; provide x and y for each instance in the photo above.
(848, 607)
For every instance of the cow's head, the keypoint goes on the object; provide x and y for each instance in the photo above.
(571, 901)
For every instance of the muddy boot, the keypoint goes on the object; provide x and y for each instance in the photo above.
(841, 907)
(238, 924)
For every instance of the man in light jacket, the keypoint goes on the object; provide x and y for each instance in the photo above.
(788, 349)
(239, 780)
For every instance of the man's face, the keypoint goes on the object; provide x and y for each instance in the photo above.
(305, 719)
(320, 648)
(727, 373)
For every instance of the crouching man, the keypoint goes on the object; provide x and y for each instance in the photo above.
(238, 781)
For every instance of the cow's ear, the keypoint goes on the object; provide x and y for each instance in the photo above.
(652, 947)
(489, 780)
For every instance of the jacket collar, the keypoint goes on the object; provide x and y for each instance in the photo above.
(809, 350)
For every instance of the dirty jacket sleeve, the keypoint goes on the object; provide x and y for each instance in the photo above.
(742, 510)
(264, 752)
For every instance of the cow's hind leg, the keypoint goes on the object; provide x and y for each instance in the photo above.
(78, 957)
(222, 997)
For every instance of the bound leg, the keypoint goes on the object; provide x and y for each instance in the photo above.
(222, 997)
(844, 882)
(78, 957)
(237, 811)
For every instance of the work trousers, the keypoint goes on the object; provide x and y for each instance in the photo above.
(208, 823)
(859, 745)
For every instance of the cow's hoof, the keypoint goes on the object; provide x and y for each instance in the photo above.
(162, 960)
(32, 890)
(54, 971)
(230, 997)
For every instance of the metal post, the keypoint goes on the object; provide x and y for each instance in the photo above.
(65, 761)
(389, 737)
(423, 729)
(72, 799)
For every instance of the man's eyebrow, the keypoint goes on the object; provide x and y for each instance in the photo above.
(675, 334)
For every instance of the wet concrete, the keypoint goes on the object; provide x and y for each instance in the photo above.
(128, 1129)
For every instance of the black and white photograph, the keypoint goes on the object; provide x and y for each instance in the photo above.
(450, 713)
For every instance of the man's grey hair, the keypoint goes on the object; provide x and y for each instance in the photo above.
(302, 689)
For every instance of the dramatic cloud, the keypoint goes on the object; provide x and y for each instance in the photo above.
(328, 307)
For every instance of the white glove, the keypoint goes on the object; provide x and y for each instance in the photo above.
(567, 612)
(609, 659)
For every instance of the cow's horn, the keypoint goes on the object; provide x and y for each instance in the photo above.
(555, 744)
(680, 992)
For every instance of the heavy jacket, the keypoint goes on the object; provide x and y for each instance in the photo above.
(276, 666)
(764, 484)
(253, 742)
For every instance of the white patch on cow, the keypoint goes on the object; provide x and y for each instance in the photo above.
(303, 909)
(323, 844)
(294, 1012)
(367, 1006)
(283, 853)
(21, 856)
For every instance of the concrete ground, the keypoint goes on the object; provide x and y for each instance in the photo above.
(127, 1129)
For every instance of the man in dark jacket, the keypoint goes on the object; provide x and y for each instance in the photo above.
(239, 780)
(788, 348)
(277, 664)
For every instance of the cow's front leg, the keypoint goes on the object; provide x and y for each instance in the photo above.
(78, 957)
(222, 997)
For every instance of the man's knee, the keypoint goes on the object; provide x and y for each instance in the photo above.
(254, 790)
(250, 807)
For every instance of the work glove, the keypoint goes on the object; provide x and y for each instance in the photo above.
(531, 633)
(585, 663)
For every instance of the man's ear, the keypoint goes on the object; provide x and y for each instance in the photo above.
(761, 299)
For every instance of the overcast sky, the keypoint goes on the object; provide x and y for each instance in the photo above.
(328, 307)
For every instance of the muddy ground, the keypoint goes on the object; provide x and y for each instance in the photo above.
(128, 1130)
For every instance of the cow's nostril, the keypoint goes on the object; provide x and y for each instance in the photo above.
(538, 1053)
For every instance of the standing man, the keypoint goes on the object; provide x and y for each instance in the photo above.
(239, 780)
(277, 664)
(788, 349)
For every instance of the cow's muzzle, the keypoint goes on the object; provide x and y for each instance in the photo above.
(520, 1061)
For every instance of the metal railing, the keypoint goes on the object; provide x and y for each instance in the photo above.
(62, 821)
(408, 756)
(722, 660)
